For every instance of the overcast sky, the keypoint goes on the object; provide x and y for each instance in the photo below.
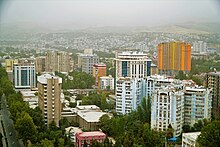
(108, 12)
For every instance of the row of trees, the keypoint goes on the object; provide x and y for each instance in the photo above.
(97, 99)
(81, 80)
(29, 123)
(133, 129)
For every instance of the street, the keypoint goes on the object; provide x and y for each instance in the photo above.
(8, 125)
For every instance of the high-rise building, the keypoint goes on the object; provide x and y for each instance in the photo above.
(86, 62)
(197, 104)
(129, 94)
(213, 83)
(57, 61)
(132, 64)
(40, 64)
(174, 56)
(167, 108)
(199, 47)
(98, 71)
(24, 75)
(131, 69)
(197, 99)
(49, 91)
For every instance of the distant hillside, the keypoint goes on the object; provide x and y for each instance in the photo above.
(185, 28)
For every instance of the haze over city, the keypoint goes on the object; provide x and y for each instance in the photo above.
(109, 73)
(96, 13)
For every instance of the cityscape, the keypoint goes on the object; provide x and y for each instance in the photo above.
(70, 78)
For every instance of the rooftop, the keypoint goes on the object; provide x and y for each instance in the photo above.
(73, 129)
(214, 73)
(91, 116)
(87, 107)
(192, 135)
(195, 89)
(43, 78)
(94, 133)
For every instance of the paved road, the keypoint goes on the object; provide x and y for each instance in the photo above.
(8, 125)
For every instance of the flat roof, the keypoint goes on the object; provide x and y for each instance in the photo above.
(195, 89)
(43, 78)
(84, 107)
(91, 116)
(192, 135)
(94, 133)
(214, 73)
(73, 129)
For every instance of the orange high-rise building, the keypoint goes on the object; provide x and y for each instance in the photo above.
(99, 70)
(174, 56)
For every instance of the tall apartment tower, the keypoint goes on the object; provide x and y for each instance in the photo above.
(49, 91)
(24, 75)
(174, 56)
(213, 83)
(86, 62)
(57, 61)
(197, 104)
(167, 108)
(131, 68)
(40, 64)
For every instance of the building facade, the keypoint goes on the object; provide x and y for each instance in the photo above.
(197, 105)
(189, 139)
(199, 47)
(88, 137)
(24, 75)
(174, 56)
(107, 83)
(167, 108)
(40, 64)
(57, 61)
(49, 91)
(98, 71)
(86, 62)
(131, 69)
(129, 94)
(213, 83)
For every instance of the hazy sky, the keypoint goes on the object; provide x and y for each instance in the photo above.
(108, 12)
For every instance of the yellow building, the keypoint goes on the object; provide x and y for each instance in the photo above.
(9, 64)
(174, 56)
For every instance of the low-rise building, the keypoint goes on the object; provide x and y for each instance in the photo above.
(89, 137)
(89, 120)
(107, 83)
(189, 139)
(71, 133)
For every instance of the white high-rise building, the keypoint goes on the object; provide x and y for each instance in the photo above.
(197, 104)
(167, 108)
(129, 94)
(24, 75)
(199, 47)
(131, 69)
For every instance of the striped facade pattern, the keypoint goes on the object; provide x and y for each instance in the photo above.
(174, 56)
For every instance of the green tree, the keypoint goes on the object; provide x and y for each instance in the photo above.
(210, 135)
(25, 127)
